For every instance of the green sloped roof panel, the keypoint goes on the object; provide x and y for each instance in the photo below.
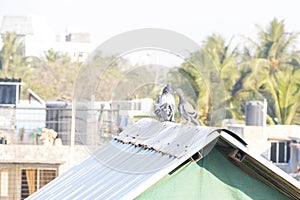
(213, 177)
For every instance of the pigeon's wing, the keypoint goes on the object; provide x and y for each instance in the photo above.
(189, 109)
(164, 111)
(184, 113)
(192, 114)
(158, 112)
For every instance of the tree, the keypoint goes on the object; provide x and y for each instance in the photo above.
(215, 56)
(282, 91)
(225, 59)
(11, 54)
(53, 56)
(274, 72)
(53, 76)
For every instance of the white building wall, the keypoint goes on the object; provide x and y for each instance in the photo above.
(40, 37)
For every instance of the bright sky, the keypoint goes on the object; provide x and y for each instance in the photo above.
(195, 19)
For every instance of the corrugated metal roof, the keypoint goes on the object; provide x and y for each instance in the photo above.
(110, 173)
(167, 137)
(142, 155)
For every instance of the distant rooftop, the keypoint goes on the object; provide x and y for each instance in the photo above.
(14, 80)
(78, 37)
(21, 25)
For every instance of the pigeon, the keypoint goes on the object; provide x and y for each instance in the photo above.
(186, 110)
(157, 110)
(165, 107)
(168, 103)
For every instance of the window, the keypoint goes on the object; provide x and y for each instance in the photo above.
(18, 181)
(7, 94)
(34, 179)
(4, 183)
(280, 151)
(9, 90)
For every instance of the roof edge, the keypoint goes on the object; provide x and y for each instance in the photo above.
(287, 184)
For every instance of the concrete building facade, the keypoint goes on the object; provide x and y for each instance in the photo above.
(39, 37)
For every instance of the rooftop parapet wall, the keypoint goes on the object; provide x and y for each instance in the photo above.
(284, 132)
(43, 154)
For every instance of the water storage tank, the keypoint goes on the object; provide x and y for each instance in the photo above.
(58, 118)
(254, 111)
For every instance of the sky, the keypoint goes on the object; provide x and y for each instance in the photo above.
(195, 19)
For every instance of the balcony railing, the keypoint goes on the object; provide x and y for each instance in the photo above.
(26, 125)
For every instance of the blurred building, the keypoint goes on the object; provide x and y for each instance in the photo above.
(40, 37)
(277, 143)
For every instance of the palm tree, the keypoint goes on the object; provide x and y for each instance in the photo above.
(224, 57)
(11, 54)
(274, 71)
(214, 56)
(283, 88)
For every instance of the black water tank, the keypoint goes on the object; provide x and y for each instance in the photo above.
(254, 111)
(58, 118)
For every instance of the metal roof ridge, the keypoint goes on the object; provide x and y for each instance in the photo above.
(171, 138)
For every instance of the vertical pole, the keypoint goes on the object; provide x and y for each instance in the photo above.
(265, 113)
(265, 133)
(38, 178)
(72, 139)
(17, 93)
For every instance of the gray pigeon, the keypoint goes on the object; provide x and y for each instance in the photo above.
(165, 107)
(157, 110)
(186, 110)
(168, 103)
